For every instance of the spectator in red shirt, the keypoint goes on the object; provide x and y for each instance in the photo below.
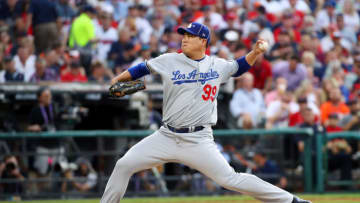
(288, 24)
(333, 124)
(298, 118)
(262, 73)
(75, 74)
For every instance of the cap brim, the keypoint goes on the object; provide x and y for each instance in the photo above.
(182, 31)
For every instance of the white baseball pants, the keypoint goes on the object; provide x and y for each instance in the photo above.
(198, 152)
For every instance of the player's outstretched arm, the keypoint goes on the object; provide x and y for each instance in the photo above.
(122, 77)
(245, 62)
(132, 73)
(260, 47)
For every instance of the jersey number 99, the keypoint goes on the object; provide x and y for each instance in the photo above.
(209, 92)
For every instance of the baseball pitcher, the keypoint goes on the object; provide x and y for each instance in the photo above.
(191, 83)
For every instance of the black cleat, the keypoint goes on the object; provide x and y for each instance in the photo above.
(298, 200)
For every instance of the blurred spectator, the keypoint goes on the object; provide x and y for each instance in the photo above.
(309, 122)
(283, 48)
(335, 104)
(168, 11)
(217, 22)
(288, 24)
(347, 32)
(339, 150)
(326, 17)
(338, 76)
(297, 6)
(25, 62)
(66, 14)
(120, 9)
(142, 25)
(311, 44)
(125, 59)
(145, 55)
(355, 75)
(333, 125)
(276, 94)
(10, 14)
(82, 34)
(83, 179)
(75, 74)
(309, 60)
(293, 71)
(52, 60)
(42, 72)
(352, 121)
(351, 16)
(106, 35)
(10, 74)
(247, 104)
(268, 170)
(99, 73)
(277, 113)
(42, 117)
(312, 96)
(116, 53)
(46, 24)
(295, 119)
(262, 73)
(10, 170)
(7, 46)
(143, 181)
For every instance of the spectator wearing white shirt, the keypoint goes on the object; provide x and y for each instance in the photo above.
(326, 16)
(299, 5)
(217, 22)
(106, 35)
(247, 104)
(277, 114)
(347, 32)
(351, 17)
(274, 7)
(25, 62)
(143, 26)
(10, 74)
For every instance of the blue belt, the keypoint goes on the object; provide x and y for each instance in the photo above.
(184, 130)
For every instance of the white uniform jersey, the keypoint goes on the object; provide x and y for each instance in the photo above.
(191, 87)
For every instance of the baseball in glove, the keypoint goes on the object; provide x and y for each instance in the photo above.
(120, 89)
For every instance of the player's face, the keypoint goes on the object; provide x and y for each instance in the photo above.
(191, 43)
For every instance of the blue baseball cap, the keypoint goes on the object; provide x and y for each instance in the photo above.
(196, 29)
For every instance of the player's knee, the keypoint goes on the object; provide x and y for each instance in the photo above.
(124, 165)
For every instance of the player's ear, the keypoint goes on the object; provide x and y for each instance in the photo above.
(204, 41)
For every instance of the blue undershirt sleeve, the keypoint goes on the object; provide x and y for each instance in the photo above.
(138, 71)
(243, 66)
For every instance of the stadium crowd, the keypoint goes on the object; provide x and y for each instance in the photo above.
(309, 77)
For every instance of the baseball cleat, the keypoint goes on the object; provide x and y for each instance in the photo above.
(298, 200)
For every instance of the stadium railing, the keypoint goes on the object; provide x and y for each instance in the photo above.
(321, 159)
(22, 137)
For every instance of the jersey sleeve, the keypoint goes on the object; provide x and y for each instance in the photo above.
(159, 64)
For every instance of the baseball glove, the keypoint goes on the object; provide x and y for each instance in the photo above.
(120, 89)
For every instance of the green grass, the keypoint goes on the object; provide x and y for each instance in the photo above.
(326, 198)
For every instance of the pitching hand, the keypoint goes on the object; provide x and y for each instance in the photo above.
(261, 46)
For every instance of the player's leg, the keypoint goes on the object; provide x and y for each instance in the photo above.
(207, 159)
(153, 150)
